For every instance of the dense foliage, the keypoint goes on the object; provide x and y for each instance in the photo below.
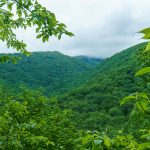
(137, 135)
(30, 120)
(96, 103)
(52, 71)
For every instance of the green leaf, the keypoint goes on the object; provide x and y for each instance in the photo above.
(97, 142)
(146, 33)
(142, 105)
(144, 146)
(127, 99)
(107, 141)
(86, 139)
(39, 36)
(143, 71)
(2, 4)
(59, 36)
(147, 47)
(19, 12)
(9, 6)
(38, 29)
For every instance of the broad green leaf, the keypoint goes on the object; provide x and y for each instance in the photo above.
(86, 139)
(146, 33)
(143, 95)
(143, 71)
(2, 4)
(147, 47)
(127, 99)
(142, 106)
(107, 141)
(39, 36)
(97, 142)
(144, 146)
(145, 136)
(9, 6)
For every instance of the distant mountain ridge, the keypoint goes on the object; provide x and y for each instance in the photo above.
(52, 71)
(91, 60)
(96, 102)
(91, 88)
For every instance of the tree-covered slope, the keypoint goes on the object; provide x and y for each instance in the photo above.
(52, 71)
(97, 101)
(39, 121)
(90, 60)
(100, 87)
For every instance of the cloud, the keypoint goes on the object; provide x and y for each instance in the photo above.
(101, 27)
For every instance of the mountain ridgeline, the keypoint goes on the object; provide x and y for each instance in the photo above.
(52, 71)
(53, 101)
(96, 102)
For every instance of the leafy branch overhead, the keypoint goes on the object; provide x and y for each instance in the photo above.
(16, 14)
(146, 36)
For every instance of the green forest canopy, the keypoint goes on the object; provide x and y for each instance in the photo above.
(30, 120)
(93, 106)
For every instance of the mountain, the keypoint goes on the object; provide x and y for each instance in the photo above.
(52, 71)
(89, 60)
(96, 102)
(92, 89)
(86, 97)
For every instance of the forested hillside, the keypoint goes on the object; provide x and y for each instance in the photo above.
(86, 97)
(92, 88)
(90, 60)
(30, 119)
(52, 71)
(50, 101)
(96, 103)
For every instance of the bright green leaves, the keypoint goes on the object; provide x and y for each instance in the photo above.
(101, 141)
(31, 121)
(13, 59)
(28, 13)
(107, 141)
(147, 47)
(127, 99)
(38, 141)
(47, 24)
(125, 142)
(141, 101)
(144, 146)
(143, 71)
(146, 33)
(10, 5)
(98, 142)
(91, 140)
(146, 36)
(146, 134)
(19, 13)
(141, 110)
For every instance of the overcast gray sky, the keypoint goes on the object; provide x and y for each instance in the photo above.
(101, 27)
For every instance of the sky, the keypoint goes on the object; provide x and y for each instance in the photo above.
(101, 27)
